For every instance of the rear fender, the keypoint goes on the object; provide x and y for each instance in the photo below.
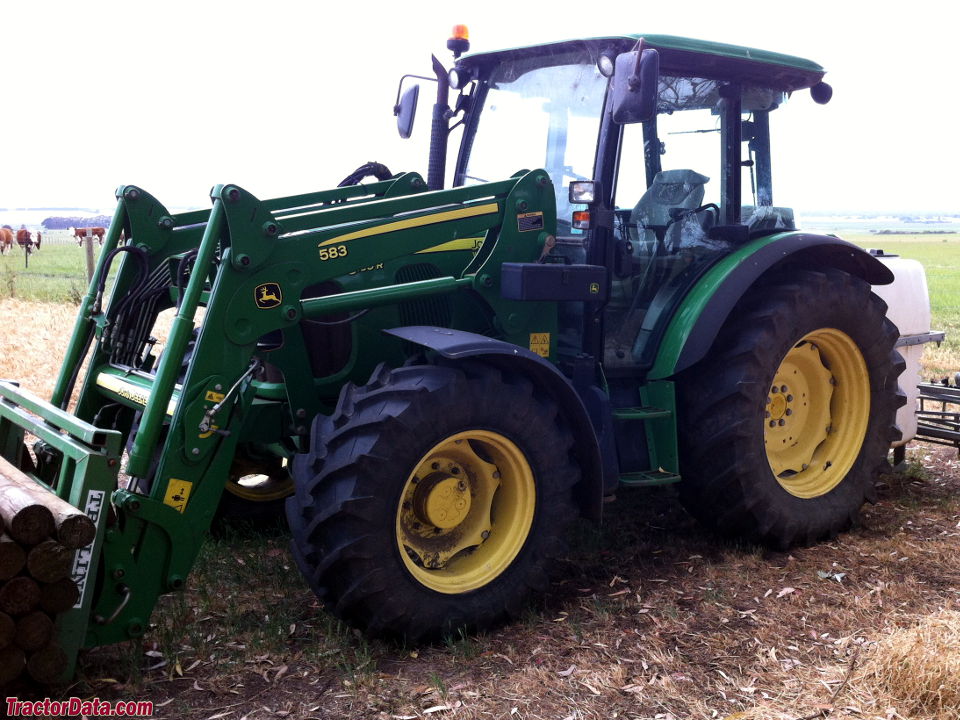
(702, 313)
(459, 345)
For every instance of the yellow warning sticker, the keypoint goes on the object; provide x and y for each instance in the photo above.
(540, 344)
(212, 396)
(178, 492)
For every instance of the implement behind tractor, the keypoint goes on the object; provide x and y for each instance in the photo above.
(435, 382)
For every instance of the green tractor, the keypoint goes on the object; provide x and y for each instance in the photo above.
(436, 382)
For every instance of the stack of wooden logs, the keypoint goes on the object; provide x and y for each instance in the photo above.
(40, 536)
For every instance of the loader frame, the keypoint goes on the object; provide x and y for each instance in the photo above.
(251, 261)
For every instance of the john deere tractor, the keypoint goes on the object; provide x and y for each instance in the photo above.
(436, 380)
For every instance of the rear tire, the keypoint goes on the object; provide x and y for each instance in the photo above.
(435, 498)
(783, 424)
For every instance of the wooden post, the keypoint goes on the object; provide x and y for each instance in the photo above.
(88, 244)
(19, 595)
(12, 661)
(8, 628)
(12, 557)
(34, 631)
(57, 597)
(23, 499)
(47, 665)
(49, 561)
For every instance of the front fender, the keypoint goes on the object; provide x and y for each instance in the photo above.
(460, 345)
(704, 310)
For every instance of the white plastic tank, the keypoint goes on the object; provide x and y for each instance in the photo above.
(908, 307)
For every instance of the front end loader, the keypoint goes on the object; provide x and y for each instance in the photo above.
(225, 334)
(435, 382)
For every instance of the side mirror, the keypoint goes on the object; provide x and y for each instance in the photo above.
(635, 80)
(406, 111)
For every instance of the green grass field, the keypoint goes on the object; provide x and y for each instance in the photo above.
(55, 273)
(58, 274)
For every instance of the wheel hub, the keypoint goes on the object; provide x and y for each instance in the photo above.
(442, 500)
(465, 511)
(778, 407)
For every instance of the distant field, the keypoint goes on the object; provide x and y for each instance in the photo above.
(57, 273)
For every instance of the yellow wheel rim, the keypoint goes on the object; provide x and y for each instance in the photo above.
(465, 511)
(817, 411)
(274, 483)
(260, 488)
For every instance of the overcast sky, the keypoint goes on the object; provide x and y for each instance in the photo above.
(284, 97)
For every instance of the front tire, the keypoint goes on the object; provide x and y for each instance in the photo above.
(435, 498)
(783, 425)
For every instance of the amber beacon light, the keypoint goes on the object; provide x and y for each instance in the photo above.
(459, 41)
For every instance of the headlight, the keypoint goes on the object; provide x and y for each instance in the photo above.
(459, 78)
(605, 64)
(583, 191)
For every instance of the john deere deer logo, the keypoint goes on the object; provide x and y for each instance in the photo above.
(268, 295)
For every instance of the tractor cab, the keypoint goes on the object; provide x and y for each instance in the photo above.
(659, 151)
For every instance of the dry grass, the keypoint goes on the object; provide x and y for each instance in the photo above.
(918, 668)
(654, 619)
(33, 339)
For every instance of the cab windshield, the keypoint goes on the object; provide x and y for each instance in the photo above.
(539, 117)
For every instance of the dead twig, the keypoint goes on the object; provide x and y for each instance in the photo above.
(826, 712)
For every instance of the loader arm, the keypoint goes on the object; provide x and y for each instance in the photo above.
(236, 278)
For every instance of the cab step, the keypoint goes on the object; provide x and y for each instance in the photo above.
(640, 413)
(648, 478)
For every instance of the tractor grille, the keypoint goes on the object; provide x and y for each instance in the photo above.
(432, 310)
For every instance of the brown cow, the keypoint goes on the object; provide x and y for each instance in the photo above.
(25, 238)
(81, 233)
(6, 240)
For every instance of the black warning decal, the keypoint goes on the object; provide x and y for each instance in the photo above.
(530, 221)
(268, 295)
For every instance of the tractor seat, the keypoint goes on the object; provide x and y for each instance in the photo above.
(670, 189)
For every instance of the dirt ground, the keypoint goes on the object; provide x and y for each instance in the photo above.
(653, 618)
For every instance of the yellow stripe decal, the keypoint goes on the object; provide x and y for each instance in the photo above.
(129, 390)
(474, 211)
(461, 244)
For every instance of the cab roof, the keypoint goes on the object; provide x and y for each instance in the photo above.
(681, 56)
